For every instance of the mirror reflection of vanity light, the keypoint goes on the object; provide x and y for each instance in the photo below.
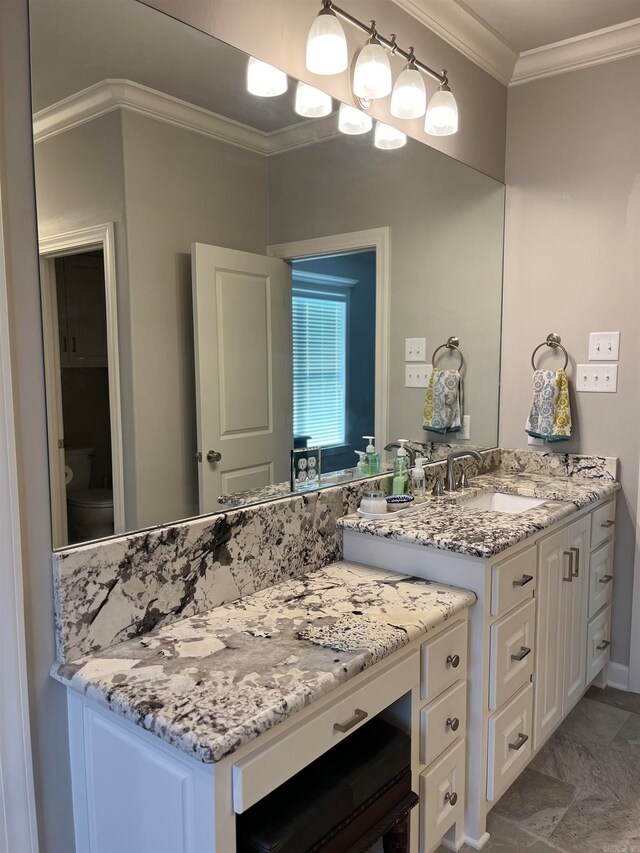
(264, 80)
(311, 102)
(352, 121)
(387, 138)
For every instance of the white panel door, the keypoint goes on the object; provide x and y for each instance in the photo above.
(243, 360)
(553, 573)
(575, 614)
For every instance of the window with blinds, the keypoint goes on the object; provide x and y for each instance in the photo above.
(319, 366)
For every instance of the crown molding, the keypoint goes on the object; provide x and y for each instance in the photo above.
(594, 48)
(109, 95)
(456, 25)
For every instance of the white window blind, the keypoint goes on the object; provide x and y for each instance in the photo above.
(319, 366)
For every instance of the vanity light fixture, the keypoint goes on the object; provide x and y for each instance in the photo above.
(327, 51)
(387, 137)
(372, 75)
(311, 102)
(264, 80)
(409, 96)
(442, 113)
(353, 121)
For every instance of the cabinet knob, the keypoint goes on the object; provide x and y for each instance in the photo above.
(605, 579)
(609, 523)
(451, 798)
(519, 742)
(603, 645)
(453, 723)
(523, 581)
(521, 655)
(453, 660)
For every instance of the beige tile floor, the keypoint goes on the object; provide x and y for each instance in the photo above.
(581, 793)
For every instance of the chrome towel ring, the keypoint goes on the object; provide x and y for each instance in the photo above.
(452, 343)
(555, 342)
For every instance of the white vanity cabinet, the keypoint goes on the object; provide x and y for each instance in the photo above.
(539, 635)
(133, 791)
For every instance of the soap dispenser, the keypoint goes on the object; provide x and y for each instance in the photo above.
(418, 478)
(401, 470)
(361, 467)
(372, 459)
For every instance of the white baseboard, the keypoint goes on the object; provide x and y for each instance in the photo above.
(618, 676)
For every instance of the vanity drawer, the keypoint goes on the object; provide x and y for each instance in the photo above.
(602, 523)
(600, 578)
(442, 722)
(443, 660)
(598, 643)
(509, 743)
(263, 770)
(442, 795)
(511, 656)
(513, 580)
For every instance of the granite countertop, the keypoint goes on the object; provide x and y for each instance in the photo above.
(448, 525)
(210, 683)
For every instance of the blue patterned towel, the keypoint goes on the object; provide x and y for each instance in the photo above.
(443, 402)
(550, 413)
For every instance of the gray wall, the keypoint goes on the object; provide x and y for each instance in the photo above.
(47, 699)
(446, 225)
(276, 32)
(180, 188)
(572, 265)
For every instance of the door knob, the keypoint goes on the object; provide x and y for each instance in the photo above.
(214, 456)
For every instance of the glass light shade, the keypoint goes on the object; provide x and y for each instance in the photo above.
(409, 97)
(372, 74)
(327, 51)
(264, 80)
(387, 137)
(353, 121)
(311, 102)
(442, 113)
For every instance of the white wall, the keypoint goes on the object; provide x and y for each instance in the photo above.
(446, 224)
(572, 266)
(276, 32)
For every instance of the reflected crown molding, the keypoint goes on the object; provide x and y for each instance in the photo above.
(594, 48)
(109, 95)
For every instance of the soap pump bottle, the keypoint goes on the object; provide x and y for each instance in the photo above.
(372, 459)
(361, 467)
(400, 484)
(418, 478)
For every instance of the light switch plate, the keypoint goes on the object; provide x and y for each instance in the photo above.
(417, 375)
(598, 378)
(531, 439)
(604, 346)
(465, 432)
(415, 349)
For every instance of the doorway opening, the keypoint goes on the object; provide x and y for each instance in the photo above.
(334, 352)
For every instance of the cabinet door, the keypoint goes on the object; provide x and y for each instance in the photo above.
(575, 595)
(86, 310)
(553, 574)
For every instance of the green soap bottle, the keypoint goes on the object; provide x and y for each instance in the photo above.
(371, 462)
(400, 485)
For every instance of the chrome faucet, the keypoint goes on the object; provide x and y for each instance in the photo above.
(410, 452)
(451, 473)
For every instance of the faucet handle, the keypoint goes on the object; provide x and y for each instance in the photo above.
(438, 488)
(463, 482)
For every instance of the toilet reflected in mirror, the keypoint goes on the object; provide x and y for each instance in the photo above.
(89, 511)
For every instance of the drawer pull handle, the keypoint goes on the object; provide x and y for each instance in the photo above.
(606, 579)
(453, 660)
(452, 798)
(569, 578)
(522, 739)
(358, 716)
(524, 580)
(453, 723)
(608, 523)
(576, 571)
(603, 645)
(521, 655)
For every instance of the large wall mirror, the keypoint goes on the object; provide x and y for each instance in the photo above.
(225, 280)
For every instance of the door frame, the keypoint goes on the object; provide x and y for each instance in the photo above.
(380, 240)
(52, 247)
(18, 829)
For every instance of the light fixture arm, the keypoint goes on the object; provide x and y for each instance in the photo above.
(390, 43)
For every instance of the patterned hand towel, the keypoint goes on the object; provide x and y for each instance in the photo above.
(550, 415)
(443, 402)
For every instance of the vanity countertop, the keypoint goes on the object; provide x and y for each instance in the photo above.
(210, 683)
(447, 524)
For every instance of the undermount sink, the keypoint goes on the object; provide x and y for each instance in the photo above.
(501, 502)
